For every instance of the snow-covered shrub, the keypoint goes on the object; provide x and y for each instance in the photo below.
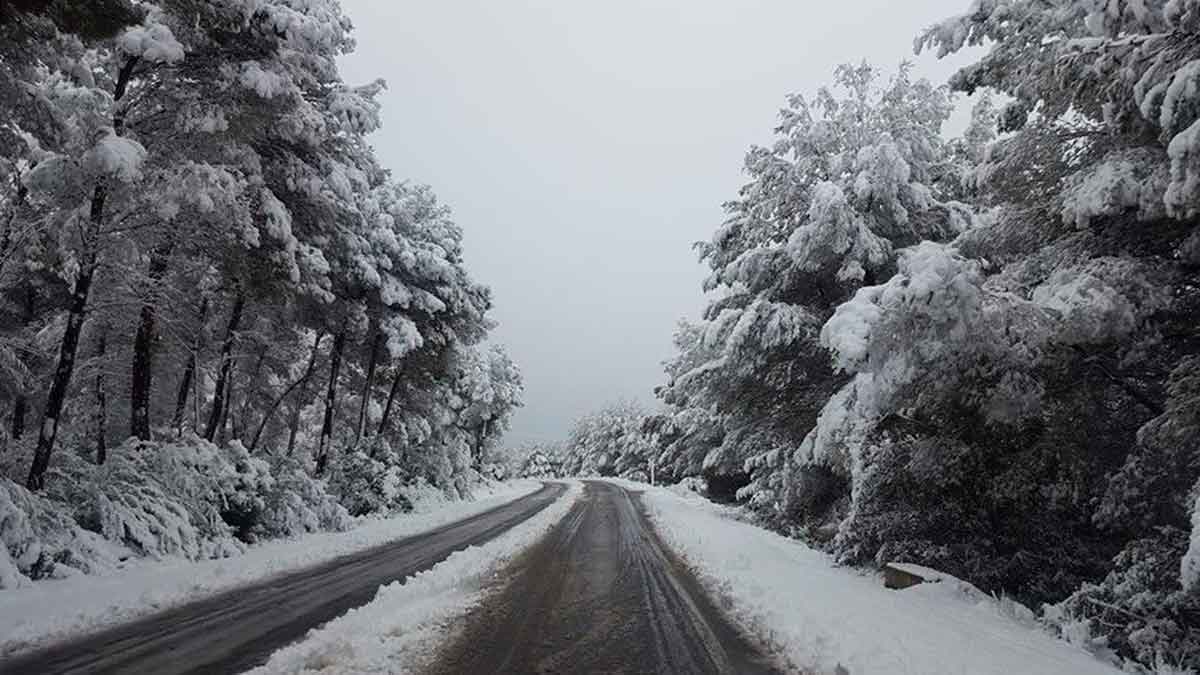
(494, 471)
(187, 497)
(1140, 607)
(296, 504)
(610, 442)
(38, 539)
(916, 501)
(820, 497)
(364, 484)
(539, 465)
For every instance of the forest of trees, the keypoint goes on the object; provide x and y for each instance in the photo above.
(979, 354)
(221, 318)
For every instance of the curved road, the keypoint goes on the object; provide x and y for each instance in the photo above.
(239, 629)
(600, 594)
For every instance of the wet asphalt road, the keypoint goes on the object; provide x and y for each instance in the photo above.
(238, 630)
(599, 594)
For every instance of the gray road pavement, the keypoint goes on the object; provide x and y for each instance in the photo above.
(238, 630)
(600, 594)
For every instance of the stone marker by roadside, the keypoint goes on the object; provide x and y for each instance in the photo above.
(904, 575)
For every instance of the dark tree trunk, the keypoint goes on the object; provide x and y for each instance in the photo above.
(101, 400)
(17, 428)
(294, 426)
(481, 434)
(181, 398)
(387, 407)
(239, 427)
(335, 365)
(189, 371)
(225, 426)
(66, 364)
(7, 244)
(312, 364)
(219, 396)
(372, 359)
(142, 369)
(77, 312)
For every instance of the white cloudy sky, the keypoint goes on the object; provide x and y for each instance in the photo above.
(584, 146)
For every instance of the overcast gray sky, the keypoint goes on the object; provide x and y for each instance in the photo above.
(584, 146)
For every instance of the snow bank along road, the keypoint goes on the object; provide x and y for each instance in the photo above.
(600, 593)
(237, 630)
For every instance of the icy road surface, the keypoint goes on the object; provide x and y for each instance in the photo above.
(600, 594)
(238, 630)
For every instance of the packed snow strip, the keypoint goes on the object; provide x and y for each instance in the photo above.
(401, 630)
(53, 610)
(820, 616)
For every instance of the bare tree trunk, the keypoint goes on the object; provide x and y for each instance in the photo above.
(294, 426)
(238, 422)
(312, 364)
(7, 245)
(66, 365)
(219, 396)
(367, 386)
(335, 365)
(142, 369)
(189, 371)
(17, 424)
(101, 400)
(480, 438)
(185, 383)
(77, 312)
(387, 407)
(225, 425)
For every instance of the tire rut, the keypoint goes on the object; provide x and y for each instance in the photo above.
(599, 594)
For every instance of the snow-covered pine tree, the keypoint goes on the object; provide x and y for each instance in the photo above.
(856, 173)
(611, 441)
(203, 169)
(1047, 429)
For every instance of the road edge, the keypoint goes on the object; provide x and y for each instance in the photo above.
(404, 627)
(90, 624)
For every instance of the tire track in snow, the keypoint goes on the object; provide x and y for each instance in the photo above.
(600, 594)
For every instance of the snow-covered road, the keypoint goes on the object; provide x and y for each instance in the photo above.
(822, 618)
(239, 629)
(599, 594)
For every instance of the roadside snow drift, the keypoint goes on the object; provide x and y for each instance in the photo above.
(54, 610)
(402, 628)
(817, 615)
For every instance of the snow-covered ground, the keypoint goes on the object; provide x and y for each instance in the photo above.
(401, 629)
(820, 616)
(55, 609)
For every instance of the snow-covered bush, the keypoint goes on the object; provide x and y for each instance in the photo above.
(1139, 609)
(296, 504)
(38, 539)
(540, 464)
(364, 484)
(187, 498)
(610, 442)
